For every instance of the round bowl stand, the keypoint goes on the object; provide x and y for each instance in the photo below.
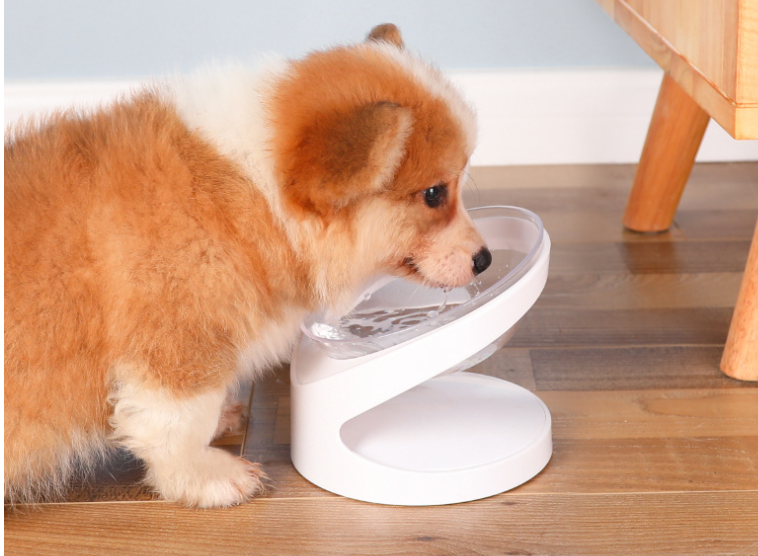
(397, 427)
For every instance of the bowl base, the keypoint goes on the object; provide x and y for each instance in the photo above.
(454, 438)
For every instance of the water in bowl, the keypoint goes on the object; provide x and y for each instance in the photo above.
(398, 305)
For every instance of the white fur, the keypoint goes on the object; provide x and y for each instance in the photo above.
(449, 261)
(272, 346)
(226, 105)
(339, 277)
(172, 436)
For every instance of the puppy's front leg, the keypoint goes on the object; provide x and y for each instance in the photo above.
(171, 435)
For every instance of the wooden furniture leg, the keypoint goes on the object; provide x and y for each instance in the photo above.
(674, 136)
(740, 358)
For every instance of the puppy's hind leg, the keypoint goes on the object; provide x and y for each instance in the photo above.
(171, 435)
(233, 417)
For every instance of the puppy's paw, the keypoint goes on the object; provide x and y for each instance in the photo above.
(232, 420)
(212, 479)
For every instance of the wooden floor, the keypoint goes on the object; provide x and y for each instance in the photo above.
(656, 452)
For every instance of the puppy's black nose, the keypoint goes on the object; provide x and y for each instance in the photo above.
(482, 261)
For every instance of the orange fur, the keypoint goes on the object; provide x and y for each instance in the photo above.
(145, 271)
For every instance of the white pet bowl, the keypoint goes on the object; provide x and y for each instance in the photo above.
(373, 417)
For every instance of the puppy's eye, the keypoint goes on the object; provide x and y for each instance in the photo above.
(435, 196)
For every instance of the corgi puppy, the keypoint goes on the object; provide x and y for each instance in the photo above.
(164, 248)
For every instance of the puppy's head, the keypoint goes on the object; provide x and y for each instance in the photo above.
(373, 143)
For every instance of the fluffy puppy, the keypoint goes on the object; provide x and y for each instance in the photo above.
(161, 249)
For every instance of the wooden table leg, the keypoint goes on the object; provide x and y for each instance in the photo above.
(740, 358)
(674, 136)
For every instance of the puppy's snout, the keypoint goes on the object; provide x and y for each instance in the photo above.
(482, 261)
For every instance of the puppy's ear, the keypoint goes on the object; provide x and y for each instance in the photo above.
(386, 32)
(344, 157)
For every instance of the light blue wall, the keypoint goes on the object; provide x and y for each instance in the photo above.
(75, 39)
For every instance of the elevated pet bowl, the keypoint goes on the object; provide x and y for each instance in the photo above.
(381, 410)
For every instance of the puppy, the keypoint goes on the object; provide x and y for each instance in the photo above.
(164, 248)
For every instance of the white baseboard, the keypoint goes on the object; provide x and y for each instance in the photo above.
(28, 99)
(525, 117)
(575, 117)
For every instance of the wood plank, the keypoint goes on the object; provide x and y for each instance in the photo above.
(717, 224)
(616, 465)
(630, 368)
(640, 291)
(583, 258)
(685, 256)
(268, 438)
(707, 174)
(513, 365)
(709, 189)
(599, 328)
(707, 413)
(558, 199)
(601, 465)
(714, 522)
(643, 258)
(588, 226)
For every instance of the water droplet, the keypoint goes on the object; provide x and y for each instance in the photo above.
(441, 308)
